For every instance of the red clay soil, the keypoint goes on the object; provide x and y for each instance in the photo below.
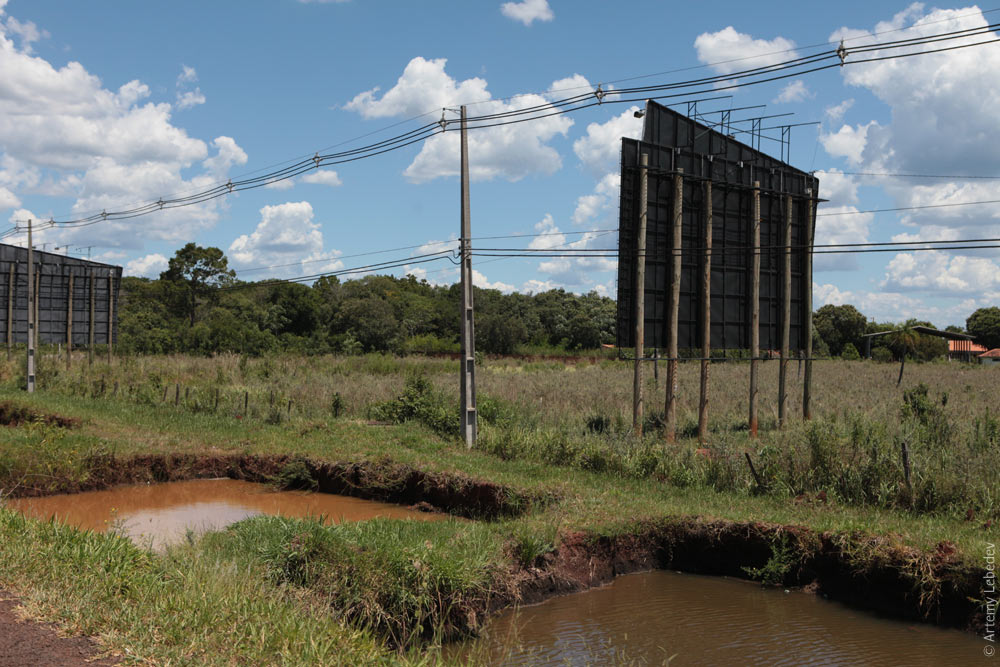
(24, 643)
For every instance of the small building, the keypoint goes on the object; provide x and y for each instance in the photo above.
(964, 350)
(991, 358)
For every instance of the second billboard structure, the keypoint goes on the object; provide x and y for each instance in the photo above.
(673, 143)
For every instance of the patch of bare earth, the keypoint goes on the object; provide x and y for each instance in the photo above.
(25, 642)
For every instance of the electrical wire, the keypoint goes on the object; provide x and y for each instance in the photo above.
(889, 175)
(570, 104)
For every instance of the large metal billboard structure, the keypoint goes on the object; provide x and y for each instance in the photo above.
(675, 142)
(74, 297)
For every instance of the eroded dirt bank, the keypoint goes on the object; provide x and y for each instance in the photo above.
(869, 572)
(382, 480)
(866, 572)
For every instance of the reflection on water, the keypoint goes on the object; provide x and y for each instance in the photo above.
(656, 617)
(161, 514)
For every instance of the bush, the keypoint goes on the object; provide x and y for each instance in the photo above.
(419, 402)
(882, 355)
(850, 352)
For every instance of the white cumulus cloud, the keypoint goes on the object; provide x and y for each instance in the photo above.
(729, 51)
(796, 91)
(286, 238)
(323, 177)
(509, 151)
(63, 133)
(150, 266)
(600, 149)
(528, 11)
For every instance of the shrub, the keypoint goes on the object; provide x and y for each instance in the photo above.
(420, 402)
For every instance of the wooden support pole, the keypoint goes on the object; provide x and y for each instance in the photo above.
(673, 308)
(807, 301)
(640, 300)
(90, 339)
(246, 402)
(786, 314)
(754, 307)
(10, 311)
(30, 276)
(111, 314)
(38, 286)
(177, 394)
(706, 315)
(69, 323)
(656, 367)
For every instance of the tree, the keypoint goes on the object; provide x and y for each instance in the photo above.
(984, 326)
(201, 271)
(902, 341)
(840, 325)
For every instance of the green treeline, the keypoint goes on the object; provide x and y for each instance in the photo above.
(198, 306)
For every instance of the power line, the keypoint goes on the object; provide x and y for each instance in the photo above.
(574, 103)
(910, 208)
(889, 175)
(419, 245)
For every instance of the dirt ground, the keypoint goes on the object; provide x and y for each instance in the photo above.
(24, 643)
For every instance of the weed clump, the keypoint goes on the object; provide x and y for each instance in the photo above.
(297, 475)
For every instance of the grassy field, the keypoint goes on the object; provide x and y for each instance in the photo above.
(300, 592)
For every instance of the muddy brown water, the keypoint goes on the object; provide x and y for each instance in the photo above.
(159, 514)
(647, 618)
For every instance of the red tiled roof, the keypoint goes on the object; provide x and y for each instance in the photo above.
(992, 354)
(965, 346)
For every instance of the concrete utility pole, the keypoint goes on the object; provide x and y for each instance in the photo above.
(640, 299)
(468, 381)
(31, 315)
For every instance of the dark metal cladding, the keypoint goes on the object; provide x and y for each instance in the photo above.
(673, 142)
(53, 291)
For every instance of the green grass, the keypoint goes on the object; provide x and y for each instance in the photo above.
(363, 588)
(182, 607)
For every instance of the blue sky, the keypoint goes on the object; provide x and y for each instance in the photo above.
(103, 105)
